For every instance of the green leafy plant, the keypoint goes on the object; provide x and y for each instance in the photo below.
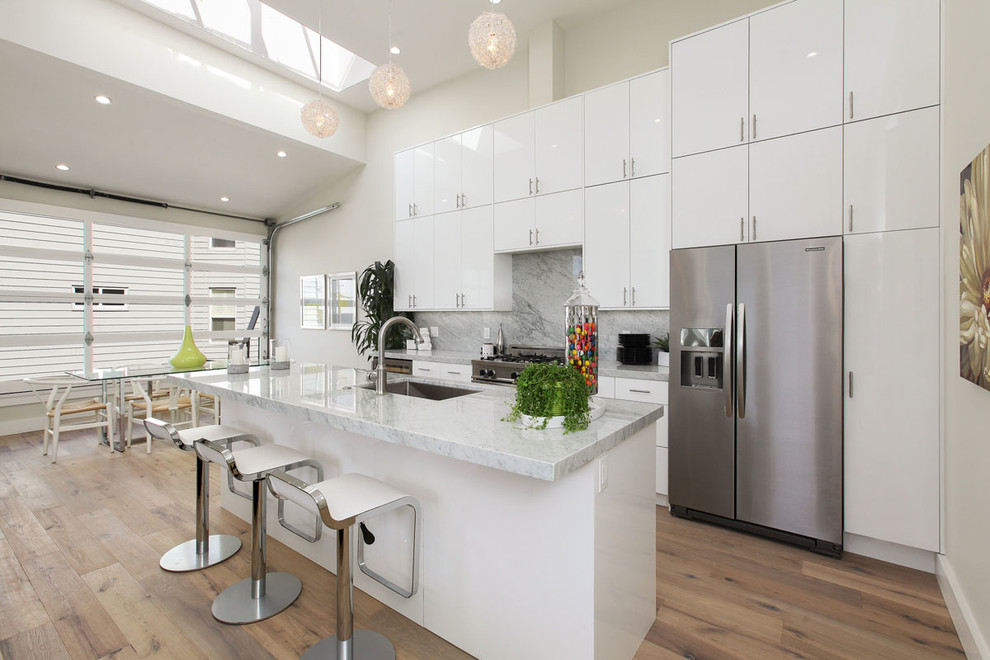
(550, 390)
(663, 343)
(375, 287)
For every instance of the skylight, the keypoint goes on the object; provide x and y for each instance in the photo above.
(276, 37)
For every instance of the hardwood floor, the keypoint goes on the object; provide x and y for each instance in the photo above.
(79, 578)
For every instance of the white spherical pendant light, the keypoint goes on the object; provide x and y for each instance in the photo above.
(319, 118)
(389, 86)
(492, 39)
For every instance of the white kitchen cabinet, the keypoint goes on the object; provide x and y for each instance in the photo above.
(795, 63)
(413, 264)
(626, 250)
(891, 415)
(466, 272)
(538, 223)
(464, 170)
(661, 467)
(795, 186)
(647, 391)
(891, 172)
(891, 56)
(414, 182)
(442, 370)
(540, 152)
(626, 129)
(709, 89)
(710, 198)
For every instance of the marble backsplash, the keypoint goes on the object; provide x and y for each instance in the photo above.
(541, 284)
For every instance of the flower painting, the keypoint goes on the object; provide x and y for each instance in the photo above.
(974, 271)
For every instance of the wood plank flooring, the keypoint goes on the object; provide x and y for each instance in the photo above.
(79, 578)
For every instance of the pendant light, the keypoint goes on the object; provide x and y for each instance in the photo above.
(492, 39)
(389, 85)
(318, 116)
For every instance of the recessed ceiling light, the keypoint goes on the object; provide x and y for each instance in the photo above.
(394, 50)
(281, 154)
(62, 166)
(495, 2)
(103, 99)
(225, 199)
(812, 54)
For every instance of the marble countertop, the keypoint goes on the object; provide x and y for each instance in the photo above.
(467, 428)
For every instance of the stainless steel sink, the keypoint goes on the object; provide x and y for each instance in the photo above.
(423, 390)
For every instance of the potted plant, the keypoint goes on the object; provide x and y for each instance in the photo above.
(554, 395)
(376, 288)
(663, 349)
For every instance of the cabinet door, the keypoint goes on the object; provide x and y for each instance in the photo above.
(709, 78)
(404, 163)
(423, 180)
(514, 225)
(606, 243)
(606, 134)
(891, 172)
(422, 262)
(514, 154)
(476, 276)
(649, 124)
(447, 255)
(891, 56)
(560, 146)
(404, 258)
(892, 411)
(710, 198)
(559, 219)
(649, 241)
(795, 186)
(795, 64)
(447, 170)
(477, 161)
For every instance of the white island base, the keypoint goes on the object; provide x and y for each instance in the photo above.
(511, 566)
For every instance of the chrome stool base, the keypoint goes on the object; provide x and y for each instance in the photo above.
(235, 604)
(183, 557)
(365, 645)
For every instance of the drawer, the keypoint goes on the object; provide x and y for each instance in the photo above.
(442, 371)
(606, 387)
(662, 470)
(637, 389)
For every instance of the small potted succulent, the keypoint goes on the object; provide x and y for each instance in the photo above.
(550, 396)
(663, 349)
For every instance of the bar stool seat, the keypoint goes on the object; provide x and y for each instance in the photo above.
(341, 503)
(264, 594)
(206, 549)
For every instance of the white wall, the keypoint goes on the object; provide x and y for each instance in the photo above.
(967, 407)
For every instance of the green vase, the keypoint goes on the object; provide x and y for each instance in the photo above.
(188, 355)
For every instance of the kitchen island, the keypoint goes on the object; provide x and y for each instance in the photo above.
(535, 544)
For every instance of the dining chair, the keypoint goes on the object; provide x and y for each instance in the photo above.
(142, 405)
(63, 414)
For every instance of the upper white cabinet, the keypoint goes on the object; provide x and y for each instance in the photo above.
(626, 129)
(626, 247)
(467, 274)
(891, 56)
(414, 182)
(891, 409)
(464, 170)
(709, 88)
(540, 223)
(540, 152)
(413, 264)
(710, 201)
(891, 172)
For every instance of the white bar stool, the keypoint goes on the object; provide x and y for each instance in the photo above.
(341, 503)
(206, 549)
(264, 594)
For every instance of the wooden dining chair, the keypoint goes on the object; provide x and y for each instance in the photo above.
(142, 405)
(63, 414)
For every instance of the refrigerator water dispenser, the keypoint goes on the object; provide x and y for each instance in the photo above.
(701, 358)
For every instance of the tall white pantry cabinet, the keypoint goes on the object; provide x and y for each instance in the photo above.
(821, 117)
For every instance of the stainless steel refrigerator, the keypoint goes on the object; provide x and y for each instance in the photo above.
(756, 388)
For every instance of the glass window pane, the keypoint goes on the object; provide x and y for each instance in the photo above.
(131, 241)
(229, 18)
(19, 230)
(285, 41)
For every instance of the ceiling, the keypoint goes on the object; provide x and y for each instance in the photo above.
(152, 146)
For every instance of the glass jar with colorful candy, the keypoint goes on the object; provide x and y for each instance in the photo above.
(581, 318)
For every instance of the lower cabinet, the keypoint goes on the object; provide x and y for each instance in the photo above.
(442, 370)
(647, 391)
(413, 264)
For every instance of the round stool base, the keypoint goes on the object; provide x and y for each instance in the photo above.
(367, 645)
(235, 605)
(183, 558)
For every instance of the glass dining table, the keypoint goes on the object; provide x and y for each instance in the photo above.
(112, 381)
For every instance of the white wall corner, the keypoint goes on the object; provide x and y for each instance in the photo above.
(973, 641)
(895, 553)
(546, 64)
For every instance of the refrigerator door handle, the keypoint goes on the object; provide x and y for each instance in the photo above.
(741, 361)
(727, 361)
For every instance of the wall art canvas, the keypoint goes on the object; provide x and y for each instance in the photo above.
(974, 270)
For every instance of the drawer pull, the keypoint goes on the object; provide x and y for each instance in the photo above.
(641, 391)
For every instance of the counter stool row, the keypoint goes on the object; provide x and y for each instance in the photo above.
(339, 503)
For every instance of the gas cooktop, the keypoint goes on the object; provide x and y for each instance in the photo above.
(504, 369)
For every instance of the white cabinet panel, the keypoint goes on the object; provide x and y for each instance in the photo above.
(606, 387)
(640, 389)
(414, 264)
(403, 257)
(606, 134)
(515, 144)
(649, 241)
(891, 172)
(476, 275)
(662, 428)
(710, 198)
(447, 263)
(403, 188)
(710, 89)
(423, 180)
(795, 68)
(559, 146)
(795, 188)
(559, 219)
(661, 470)
(514, 225)
(891, 56)
(441, 370)
(477, 166)
(649, 124)
(891, 451)
(447, 172)
(606, 243)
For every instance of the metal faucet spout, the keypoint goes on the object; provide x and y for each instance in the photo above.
(380, 372)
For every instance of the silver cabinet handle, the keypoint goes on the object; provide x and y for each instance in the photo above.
(625, 293)
(752, 234)
(530, 236)
(414, 300)
(530, 186)
(742, 230)
(409, 300)
(425, 369)
(632, 167)
(850, 217)
(463, 200)
(741, 360)
(462, 300)
(727, 360)
(742, 129)
(458, 203)
(410, 210)
(850, 384)
(454, 373)
(623, 168)
(850, 105)
(754, 125)
(537, 185)
(634, 296)
(537, 229)
(640, 391)
(415, 209)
